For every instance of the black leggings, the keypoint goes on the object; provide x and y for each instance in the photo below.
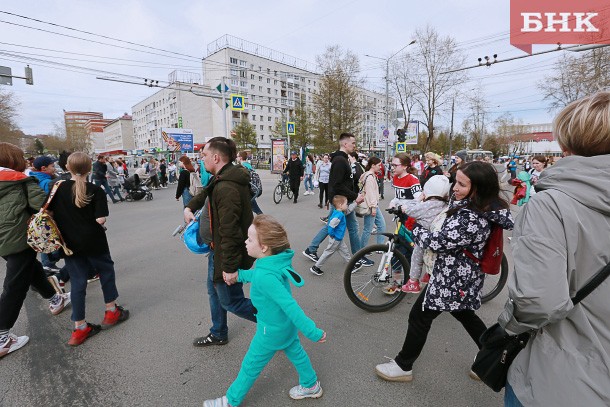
(323, 190)
(420, 321)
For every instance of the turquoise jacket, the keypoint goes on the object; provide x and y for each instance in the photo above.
(279, 317)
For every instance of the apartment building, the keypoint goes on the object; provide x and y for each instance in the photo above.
(183, 104)
(118, 134)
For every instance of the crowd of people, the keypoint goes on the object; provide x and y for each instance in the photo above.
(559, 241)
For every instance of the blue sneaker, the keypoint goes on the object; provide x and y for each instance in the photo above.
(299, 392)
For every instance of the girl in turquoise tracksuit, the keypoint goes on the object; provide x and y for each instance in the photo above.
(279, 316)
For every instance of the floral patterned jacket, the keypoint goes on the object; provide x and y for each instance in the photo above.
(456, 280)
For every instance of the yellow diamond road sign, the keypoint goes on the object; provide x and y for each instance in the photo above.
(237, 102)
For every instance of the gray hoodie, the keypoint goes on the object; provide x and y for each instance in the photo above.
(562, 238)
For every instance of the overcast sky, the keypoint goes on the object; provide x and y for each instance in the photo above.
(302, 29)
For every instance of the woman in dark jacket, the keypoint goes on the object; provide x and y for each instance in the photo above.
(20, 196)
(184, 180)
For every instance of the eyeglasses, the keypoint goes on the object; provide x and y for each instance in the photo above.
(396, 165)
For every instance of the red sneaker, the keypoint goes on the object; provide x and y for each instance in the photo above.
(112, 318)
(412, 287)
(81, 335)
(425, 278)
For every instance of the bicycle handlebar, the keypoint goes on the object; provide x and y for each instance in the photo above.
(395, 211)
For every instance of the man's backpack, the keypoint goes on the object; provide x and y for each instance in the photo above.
(196, 186)
(491, 260)
(43, 234)
(256, 186)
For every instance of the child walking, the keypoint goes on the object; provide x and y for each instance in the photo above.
(80, 209)
(425, 209)
(336, 226)
(279, 316)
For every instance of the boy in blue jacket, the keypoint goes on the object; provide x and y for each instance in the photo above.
(336, 226)
(279, 317)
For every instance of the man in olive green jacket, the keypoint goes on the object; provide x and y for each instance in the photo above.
(230, 217)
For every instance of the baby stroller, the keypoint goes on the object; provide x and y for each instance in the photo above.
(136, 191)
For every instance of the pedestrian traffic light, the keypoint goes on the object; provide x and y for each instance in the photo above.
(401, 135)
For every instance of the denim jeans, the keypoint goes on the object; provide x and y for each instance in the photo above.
(116, 190)
(308, 181)
(255, 208)
(225, 298)
(104, 184)
(352, 228)
(78, 269)
(379, 221)
(49, 259)
(186, 197)
(510, 398)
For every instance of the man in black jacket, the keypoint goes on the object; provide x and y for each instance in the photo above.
(98, 176)
(341, 182)
(294, 168)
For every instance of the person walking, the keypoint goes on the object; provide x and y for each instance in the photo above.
(559, 242)
(230, 213)
(294, 168)
(163, 173)
(370, 189)
(99, 176)
(153, 172)
(341, 182)
(323, 175)
(80, 209)
(456, 281)
(308, 177)
(184, 180)
(20, 195)
(113, 178)
(242, 158)
(279, 316)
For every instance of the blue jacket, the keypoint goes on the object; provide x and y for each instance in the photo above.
(336, 225)
(44, 180)
(279, 317)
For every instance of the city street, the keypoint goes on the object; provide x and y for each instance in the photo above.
(150, 361)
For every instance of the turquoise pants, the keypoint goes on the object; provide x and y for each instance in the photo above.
(257, 358)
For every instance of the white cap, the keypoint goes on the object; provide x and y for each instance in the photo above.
(437, 185)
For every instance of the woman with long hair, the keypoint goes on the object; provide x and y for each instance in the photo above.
(370, 188)
(184, 180)
(308, 177)
(80, 210)
(323, 175)
(456, 281)
(20, 195)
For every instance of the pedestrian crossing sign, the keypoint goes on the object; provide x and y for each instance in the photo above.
(290, 129)
(237, 102)
(401, 147)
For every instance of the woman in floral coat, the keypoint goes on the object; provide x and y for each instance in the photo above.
(456, 280)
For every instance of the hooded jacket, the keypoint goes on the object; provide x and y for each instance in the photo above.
(20, 196)
(341, 179)
(457, 280)
(279, 317)
(561, 239)
(230, 217)
(45, 181)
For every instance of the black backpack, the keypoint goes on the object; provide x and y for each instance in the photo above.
(256, 186)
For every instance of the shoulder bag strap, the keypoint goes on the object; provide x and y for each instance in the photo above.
(364, 183)
(51, 195)
(592, 284)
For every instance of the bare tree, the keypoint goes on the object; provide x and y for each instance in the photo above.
(576, 76)
(478, 116)
(434, 56)
(335, 106)
(9, 131)
(403, 85)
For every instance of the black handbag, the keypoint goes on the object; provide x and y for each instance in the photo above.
(499, 349)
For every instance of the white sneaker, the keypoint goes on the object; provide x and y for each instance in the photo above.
(219, 402)
(57, 308)
(12, 343)
(392, 372)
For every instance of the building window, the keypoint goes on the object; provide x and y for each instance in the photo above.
(260, 78)
(270, 129)
(233, 72)
(242, 74)
(252, 87)
(268, 110)
(243, 63)
(233, 60)
(269, 118)
(268, 90)
(268, 80)
(243, 84)
(276, 91)
(275, 81)
(262, 127)
(251, 76)
(262, 137)
(260, 88)
(268, 70)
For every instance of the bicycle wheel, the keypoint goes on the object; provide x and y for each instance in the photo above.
(277, 194)
(494, 284)
(365, 287)
(289, 192)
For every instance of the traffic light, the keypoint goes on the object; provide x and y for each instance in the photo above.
(401, 135)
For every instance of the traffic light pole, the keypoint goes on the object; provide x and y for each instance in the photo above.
(387, 100)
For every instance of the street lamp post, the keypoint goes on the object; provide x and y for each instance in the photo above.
(387, 88)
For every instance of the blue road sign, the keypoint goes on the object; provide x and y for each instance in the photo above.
(237, 102)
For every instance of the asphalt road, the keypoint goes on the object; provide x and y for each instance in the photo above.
(149, 360)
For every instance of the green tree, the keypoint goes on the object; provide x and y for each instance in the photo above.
(301, 116)
(335, 106)
(39, 147)
(244, 135)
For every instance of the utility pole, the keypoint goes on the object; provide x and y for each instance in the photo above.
(451, 131)
(224, 109)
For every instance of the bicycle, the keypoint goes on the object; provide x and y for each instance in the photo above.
(281, 189)
(377, 288)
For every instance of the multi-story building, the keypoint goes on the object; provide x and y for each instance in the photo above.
(89, 125)
(118, 134)
(184, 104)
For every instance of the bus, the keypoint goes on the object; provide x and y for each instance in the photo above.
(479, 155)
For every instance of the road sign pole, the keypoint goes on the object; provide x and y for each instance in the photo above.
(224, 109)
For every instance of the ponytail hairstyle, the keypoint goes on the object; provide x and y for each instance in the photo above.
(79, 165)
(372, 161)
(271, 233)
